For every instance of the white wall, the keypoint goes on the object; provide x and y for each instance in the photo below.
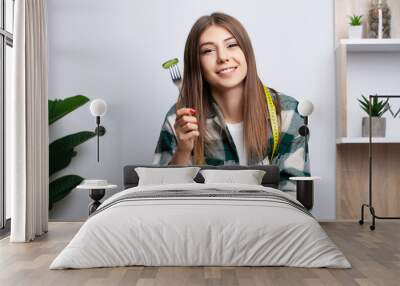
(114, 50)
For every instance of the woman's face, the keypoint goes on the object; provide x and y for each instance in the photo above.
(222, 61)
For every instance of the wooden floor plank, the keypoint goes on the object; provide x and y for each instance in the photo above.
(374, 255)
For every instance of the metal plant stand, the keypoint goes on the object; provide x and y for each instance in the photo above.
(369, 205)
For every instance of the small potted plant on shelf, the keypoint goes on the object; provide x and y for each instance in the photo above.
(378, 108)
(355, 28)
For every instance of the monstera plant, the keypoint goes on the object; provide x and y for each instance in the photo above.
(61, 151)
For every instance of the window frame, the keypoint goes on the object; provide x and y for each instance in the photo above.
(6, 39)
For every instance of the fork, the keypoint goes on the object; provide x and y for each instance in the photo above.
(176, 76)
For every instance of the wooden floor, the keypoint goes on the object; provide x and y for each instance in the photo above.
(374, 255)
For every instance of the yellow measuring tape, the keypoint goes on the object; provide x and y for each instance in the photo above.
(273, 119)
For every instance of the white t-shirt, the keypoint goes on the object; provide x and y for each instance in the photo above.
(236, 130)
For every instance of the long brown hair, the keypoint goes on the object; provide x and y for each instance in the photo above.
(195, 89)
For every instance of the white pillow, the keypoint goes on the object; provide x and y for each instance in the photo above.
(162, 176)
(249, 177)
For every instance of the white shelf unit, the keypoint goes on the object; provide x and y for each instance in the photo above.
(365, 140)
(371, 45)
(365, 66)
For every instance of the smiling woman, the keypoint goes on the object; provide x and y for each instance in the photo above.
(225, 115)
(223, 63)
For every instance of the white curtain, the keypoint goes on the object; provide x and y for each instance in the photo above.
(28, 123)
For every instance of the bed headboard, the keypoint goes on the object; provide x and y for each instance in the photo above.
(270, 179)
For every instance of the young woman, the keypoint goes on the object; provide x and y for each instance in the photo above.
(222, 115)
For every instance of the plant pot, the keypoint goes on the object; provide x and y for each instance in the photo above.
(355, 32)
(378, 127)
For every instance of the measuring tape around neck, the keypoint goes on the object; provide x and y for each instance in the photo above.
(273, 119)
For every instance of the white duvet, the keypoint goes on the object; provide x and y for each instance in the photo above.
(200, 231)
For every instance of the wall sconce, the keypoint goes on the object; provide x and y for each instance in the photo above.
(98, 108)
(305, 108)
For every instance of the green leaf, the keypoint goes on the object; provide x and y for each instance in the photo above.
(60, 160)
(365, 100)
(363, 104)
(61, 187)
(365, 109)
(62, 150)
(378, 107)
(382, 107)
(71, 141)
(61, 107)
(355, 20)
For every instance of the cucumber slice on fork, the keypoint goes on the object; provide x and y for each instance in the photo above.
(170, 63)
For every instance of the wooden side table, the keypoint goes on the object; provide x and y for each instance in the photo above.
(96, 193)
(305, 190)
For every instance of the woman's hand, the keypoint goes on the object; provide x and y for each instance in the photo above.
(186, 129)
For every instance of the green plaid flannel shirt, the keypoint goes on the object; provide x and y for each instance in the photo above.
(289, 157)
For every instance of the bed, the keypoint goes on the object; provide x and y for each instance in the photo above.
(201, 224)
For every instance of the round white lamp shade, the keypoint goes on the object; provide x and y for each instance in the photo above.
(98, 107)
(305, 107)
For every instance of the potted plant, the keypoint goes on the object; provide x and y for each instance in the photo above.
(62, 150)
(378, 108)
(355, 28)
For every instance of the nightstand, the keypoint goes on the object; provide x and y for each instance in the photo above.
(305, 190)
(97, 190)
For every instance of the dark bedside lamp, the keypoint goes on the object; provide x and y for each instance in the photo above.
(305, 108)
(98, 108)
(305, 185)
